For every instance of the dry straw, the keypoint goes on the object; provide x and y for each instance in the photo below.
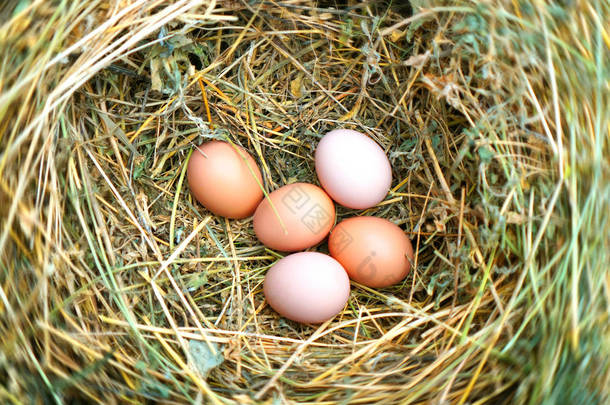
(117, 287)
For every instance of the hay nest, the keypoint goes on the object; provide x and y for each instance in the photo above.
(116, 286)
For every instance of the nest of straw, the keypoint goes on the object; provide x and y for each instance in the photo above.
(116, 286)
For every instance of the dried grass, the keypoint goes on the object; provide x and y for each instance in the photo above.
(117, 287)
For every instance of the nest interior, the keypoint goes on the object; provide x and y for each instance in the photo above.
(117, 286)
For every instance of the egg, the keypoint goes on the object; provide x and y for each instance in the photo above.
(374, 251)
(225, 179)
(294, 217)
(307, 287)
(352, 168)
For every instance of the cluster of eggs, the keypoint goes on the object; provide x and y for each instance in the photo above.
(310, 287)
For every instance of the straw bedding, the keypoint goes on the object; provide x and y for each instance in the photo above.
(117, 287)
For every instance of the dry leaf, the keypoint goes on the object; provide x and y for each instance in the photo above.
(296, 86)
(417, 60)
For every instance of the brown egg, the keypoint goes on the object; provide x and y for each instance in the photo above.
(301, 216)
(225, 179)
(307, 287)
(374, 251)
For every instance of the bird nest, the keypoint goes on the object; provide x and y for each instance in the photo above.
(117, 286)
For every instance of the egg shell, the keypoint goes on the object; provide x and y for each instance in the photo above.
(374, 251)
(307, 214)
(353, 169)
(307, 287)
(225, 179)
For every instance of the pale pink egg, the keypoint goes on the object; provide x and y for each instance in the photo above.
(353, 169)
(307, 287)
